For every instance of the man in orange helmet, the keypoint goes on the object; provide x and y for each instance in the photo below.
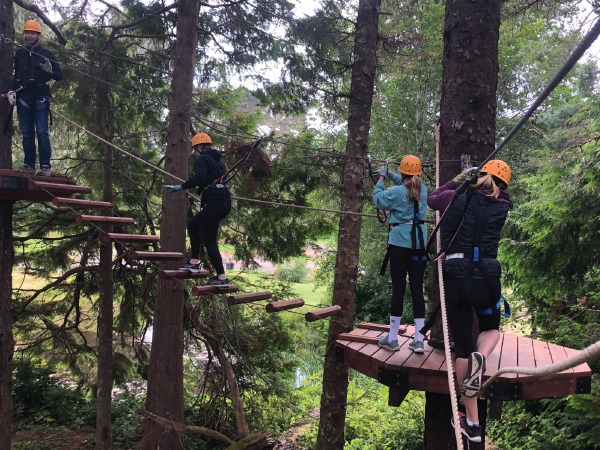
(35, 66)
(203, 228)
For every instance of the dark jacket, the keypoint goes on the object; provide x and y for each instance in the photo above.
(208, 168)
(495, 212)
(29, 74)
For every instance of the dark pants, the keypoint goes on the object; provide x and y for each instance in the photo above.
(203, 228)
(406, 261)
(460, 307)
(33, 115)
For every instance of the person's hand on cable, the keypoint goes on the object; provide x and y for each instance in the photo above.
(11, 96)
(46, 66)
(383, 171)
(467, 174)
(172, 187)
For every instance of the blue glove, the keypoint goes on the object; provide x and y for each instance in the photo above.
(173, 187)
(383, 171)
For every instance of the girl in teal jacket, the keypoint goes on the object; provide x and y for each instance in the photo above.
(407, 203)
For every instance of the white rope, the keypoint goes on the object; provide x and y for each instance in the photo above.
(585, 355)
(447, 350)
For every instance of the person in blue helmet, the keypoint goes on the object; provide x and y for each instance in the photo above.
(203, 228)
(407, 203)
(472, 275)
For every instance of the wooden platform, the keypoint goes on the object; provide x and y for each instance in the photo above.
(406, 370)
(15, 185)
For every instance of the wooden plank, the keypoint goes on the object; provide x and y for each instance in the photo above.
(549, 387)
(558, 354)
(85, 218)
(582, 370)
(492, 362)
(107, 238)
(155, 256)
(59, 187)
(322, 313)
(509, 356)
(434, 359)
(247, 298)
(182, 274)
(526, 357)
(284, 305)
(214, 290)
(357, 353)
(380, 327)
(543, 358)
(77, 203)
(355, 338)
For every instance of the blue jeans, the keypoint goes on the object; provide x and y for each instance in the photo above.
(33, 115)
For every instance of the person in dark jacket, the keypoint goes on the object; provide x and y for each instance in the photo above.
(35, 66)
(407, 203)
(215, 203)
(472, 275)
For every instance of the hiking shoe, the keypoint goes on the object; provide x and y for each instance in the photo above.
(216, 281)
(384, 341)
(194, 268)
(45, 171)
(471, 383)
(417, 346)
(28, 170)
(472, 432)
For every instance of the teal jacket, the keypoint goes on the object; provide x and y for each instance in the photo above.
(395, 199)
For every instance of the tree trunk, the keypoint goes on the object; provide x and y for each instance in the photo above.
(7, 256)
(468, 101)
(165, 377)
(104, 127)
(335, 373)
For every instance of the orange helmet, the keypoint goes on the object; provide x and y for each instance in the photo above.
(498, 168)
(32, 25)
(411, 165)
(201, 138)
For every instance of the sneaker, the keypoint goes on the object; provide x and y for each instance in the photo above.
(194, 268)
(385, 342)
(216, 281)
(472, 432)
(28, 170)
(45, 171)
(417, 346)
(471, 383)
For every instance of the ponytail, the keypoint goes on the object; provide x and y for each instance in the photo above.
(413, 184)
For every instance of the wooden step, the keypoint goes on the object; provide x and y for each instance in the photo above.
(210, 290)
(58, 187)
(84, 218)
(358, 338)
(286, 304)
(155, 256)
(379, 327)
(322, 313)
(182, 274)
(107, 238)
(77, 203)
(247, 298)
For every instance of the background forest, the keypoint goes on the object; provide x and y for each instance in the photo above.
(281, 69)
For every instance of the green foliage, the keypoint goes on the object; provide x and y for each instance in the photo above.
(40, 399)
(370, 422)
(295, 272)
(570, 422)
(127, 422)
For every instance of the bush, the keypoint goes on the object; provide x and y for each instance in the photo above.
(295, 273)
(39, 398)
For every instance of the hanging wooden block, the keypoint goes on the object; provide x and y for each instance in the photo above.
(248, 298)
(155, 256)
(214, 290)
(322, 313)
(84, 218)
(182, 274)
(123, 237)
(77, 203)
(283, 305)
